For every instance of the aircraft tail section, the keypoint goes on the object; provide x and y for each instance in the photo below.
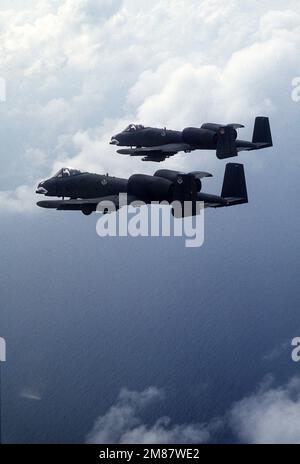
(262, 132)
(234, 188)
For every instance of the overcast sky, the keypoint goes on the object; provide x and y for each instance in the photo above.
(76, 72)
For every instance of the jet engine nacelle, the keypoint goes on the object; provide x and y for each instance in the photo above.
(199, 137)
(173, 176)
(220, 128)
(150, 188)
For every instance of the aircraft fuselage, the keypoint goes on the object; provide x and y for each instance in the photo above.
(85, 185)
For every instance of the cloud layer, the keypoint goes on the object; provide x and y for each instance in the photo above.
(123, 423)
(270, 415)
(77, 71)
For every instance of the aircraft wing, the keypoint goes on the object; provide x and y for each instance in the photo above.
(157, 153)
(85, 205)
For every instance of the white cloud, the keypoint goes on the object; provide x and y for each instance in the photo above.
(35, 156)
(30, 394)
(272, 415)
(19, 200)
(123, 423)
(78, 71)
(269, 415)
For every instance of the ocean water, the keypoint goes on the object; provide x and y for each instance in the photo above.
(84, 316)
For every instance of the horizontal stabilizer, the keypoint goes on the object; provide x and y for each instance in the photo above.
(173, 175)
(201, 174)
(216, 127)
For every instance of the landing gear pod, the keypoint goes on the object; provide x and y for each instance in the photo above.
(87, 210)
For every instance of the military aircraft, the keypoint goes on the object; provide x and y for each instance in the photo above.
(86, 190)
(158, 144)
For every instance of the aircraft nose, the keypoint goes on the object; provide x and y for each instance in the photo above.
(40, 189)
(114, 140)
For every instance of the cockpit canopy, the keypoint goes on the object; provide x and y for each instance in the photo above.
(67, 172)
(134, 127)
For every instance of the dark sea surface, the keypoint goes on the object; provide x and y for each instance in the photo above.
(85, 316)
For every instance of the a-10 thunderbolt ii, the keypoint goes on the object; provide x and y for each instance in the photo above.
(158, 144)
(86, 190)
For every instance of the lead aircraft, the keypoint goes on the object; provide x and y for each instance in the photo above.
(156, 144)
(84, 191)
